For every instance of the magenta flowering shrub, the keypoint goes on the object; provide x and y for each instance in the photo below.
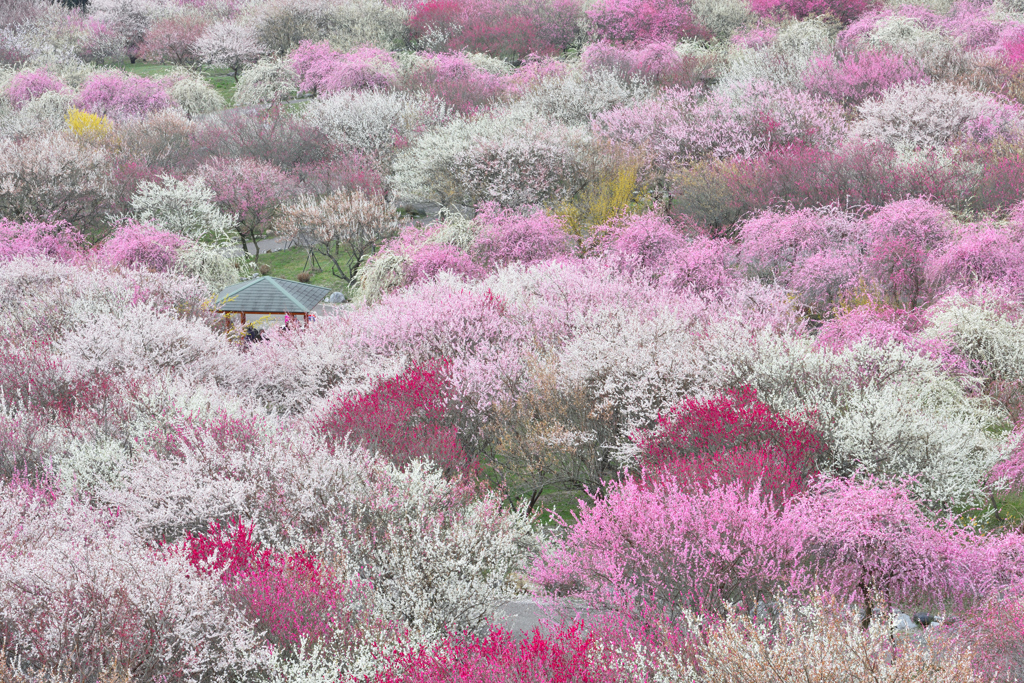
(652, 246)
(567, 655)
(290, 597)
(899, 238)
(643, 21)
(983, 255)
(733, 438)
(110, 93)
(60, 241)
(856, 77)
(880, 325)
(658, 63)
(843, 10)
(658, 546)
(323, 71)
(428, 260)
(140, 245)
(1011, 45)
(524, 236)
(404, 418)
(28, 85)
(455, 80)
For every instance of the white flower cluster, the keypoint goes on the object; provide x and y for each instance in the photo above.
(511, 157)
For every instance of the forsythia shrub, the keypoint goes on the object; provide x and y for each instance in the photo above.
(86, 125)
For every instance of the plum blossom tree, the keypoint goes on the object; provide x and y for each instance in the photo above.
(140, 245)
(507, 236)
(323, 70)
(733, 437)
(660, 547)
(865, 543)
(229, 45)
(60, 241)
(899, 238)
(345, 227)
(81, 589)
(629, 21)
(252, 190)
(184, 207)
(28, 85)
(173, 40)
(121, 96)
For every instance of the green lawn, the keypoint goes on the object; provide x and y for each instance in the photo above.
(220, 79)
(287, 264)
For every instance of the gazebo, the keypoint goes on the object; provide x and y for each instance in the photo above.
(269, 296)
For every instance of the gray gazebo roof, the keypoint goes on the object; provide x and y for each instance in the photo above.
(270, 295)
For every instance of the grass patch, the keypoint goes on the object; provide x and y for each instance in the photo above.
(1002, 511)
(145, 69)
(559, 505)
(221, 79)
(288, 263)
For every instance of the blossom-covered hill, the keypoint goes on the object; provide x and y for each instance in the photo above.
(703, 319)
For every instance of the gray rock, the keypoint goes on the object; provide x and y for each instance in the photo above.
(902, 621)
(428, 209)
(431, 210)
(337, 298)
(924, 620)
(520, 616)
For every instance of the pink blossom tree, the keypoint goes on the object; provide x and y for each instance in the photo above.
(173, 40)
(843, 10)
(253, 190)
(60, 241)
(456, 80)
(657, 546)
(508, 236)
(986, 254)
(430, 259)
(109, 93)
(856, 77)
(899, 239)
(867, 543)
(140, 245)
(27, 85)
(323, 70)
(643, 21)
